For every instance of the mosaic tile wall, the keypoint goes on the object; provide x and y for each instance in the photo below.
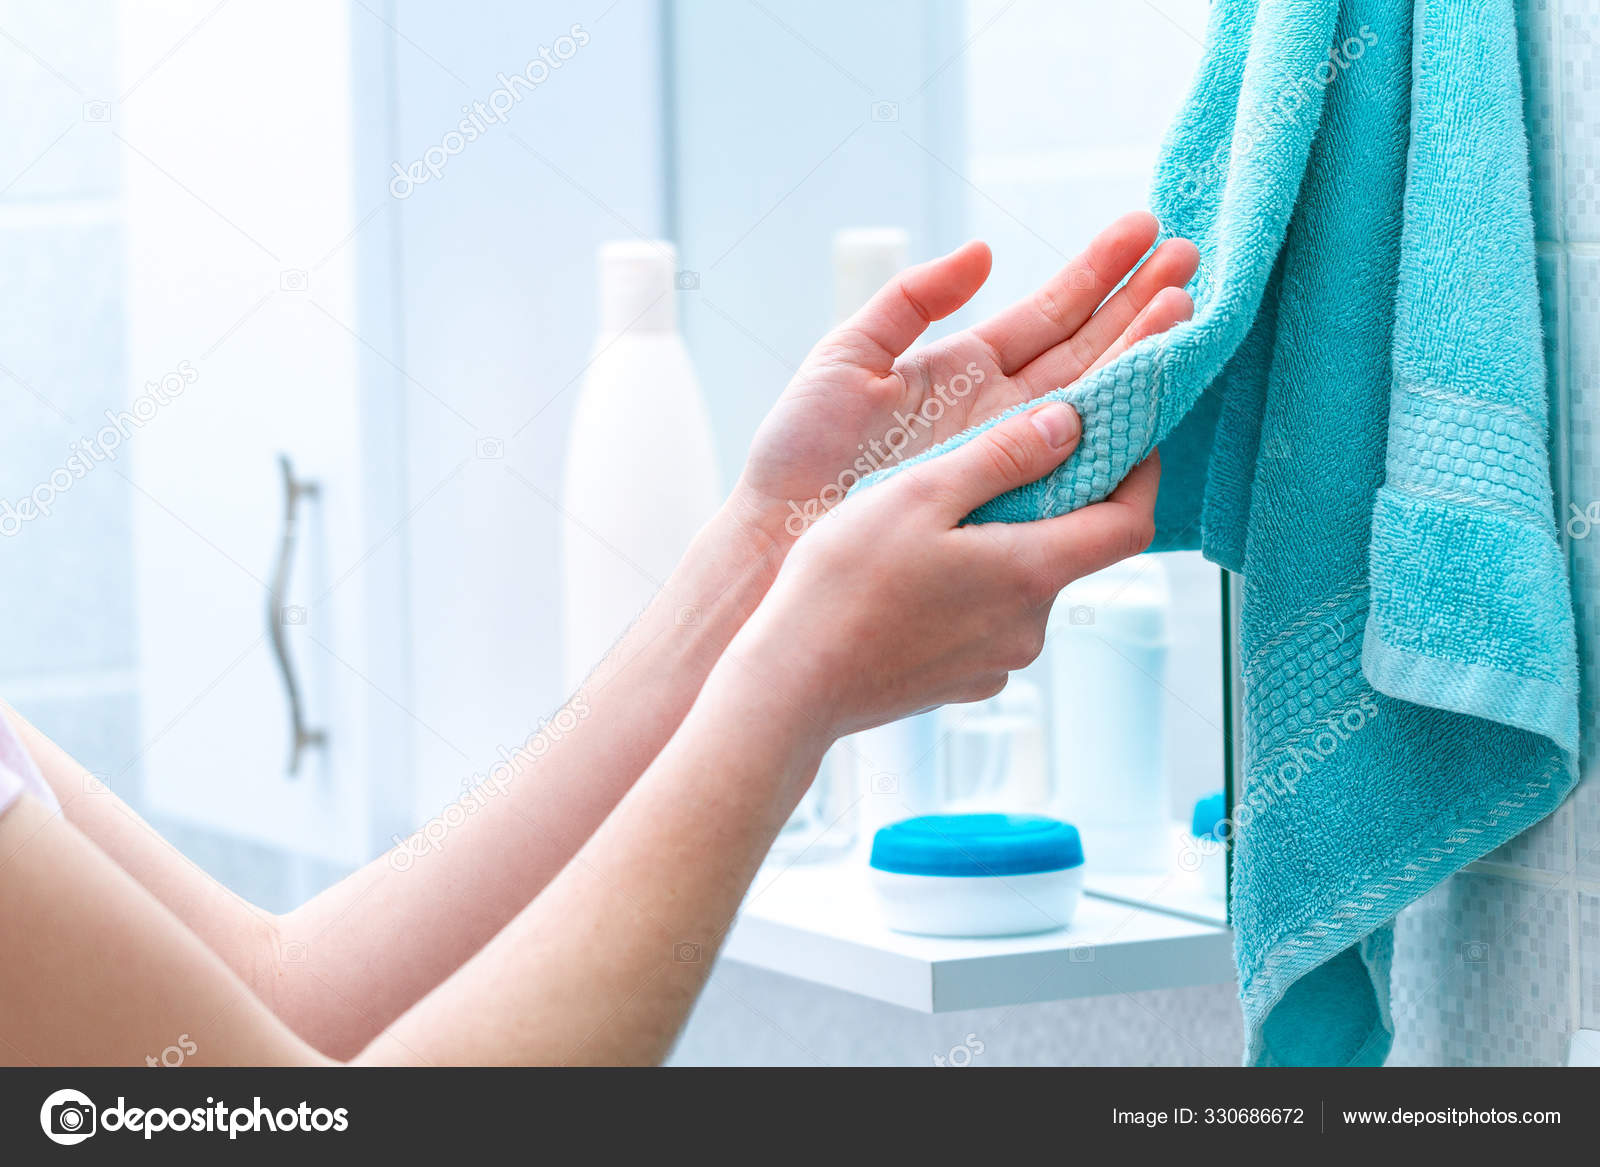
(1502, 962)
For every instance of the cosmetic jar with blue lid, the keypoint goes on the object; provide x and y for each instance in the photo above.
(977, 874)
(1205, 853)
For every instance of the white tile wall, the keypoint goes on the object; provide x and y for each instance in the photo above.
(1487, 978)
(1499, 964)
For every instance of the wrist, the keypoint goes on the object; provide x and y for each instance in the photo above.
(719, 582)
(757, 522)
(747, 691)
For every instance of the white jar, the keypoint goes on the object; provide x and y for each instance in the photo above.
(977, 874)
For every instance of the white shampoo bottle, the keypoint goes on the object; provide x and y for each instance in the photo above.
(1108, 666)
(641, 472)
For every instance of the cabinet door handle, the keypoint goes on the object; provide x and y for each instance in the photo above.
(303, 737)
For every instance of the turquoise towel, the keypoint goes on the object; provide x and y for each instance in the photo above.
(1355, 419)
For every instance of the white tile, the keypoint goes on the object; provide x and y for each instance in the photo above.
(1580, 110)
(1589, 960)
(1481, 975)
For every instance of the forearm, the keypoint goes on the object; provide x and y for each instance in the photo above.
(605, 965)
(372, 945)
(241, 934)
(593, 971)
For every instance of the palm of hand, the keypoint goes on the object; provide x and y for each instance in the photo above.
(861, 400)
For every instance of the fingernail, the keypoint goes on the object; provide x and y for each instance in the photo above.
(1058, 423)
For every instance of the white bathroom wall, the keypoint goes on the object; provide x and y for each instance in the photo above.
(496, 303)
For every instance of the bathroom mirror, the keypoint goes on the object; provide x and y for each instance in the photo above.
(930, 125)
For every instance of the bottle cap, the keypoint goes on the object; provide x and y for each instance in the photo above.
(864, 259)
(638, 281)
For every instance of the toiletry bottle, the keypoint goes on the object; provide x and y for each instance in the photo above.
(640, 477)
(1108, 659)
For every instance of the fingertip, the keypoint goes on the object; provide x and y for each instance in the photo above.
(942, 285)
(1180, 258)
(1174, 301)
(1058, 423)
(973, 256)
(1141, 224)
(1184, 247)
(1171, 305)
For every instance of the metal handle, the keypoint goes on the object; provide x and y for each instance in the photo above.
(279, 614)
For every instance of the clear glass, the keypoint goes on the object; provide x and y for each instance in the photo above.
(993, 755)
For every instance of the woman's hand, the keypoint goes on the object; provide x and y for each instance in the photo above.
(860, 401)
(890, 606)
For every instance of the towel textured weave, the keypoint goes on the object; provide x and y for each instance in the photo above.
(1356, 420)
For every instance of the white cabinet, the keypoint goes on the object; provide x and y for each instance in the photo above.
(239, 209)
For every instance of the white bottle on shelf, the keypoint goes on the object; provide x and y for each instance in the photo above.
(1108, 662)
(641, 473)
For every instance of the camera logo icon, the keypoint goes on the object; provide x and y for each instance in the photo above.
(1080, 614)
(687, 281)
(293, 279)
(885, 111)
(67, 1117)
(293, 952)
(1474, 952)
(686, 953)
(97, 111)
(292, 614)
(490, 449)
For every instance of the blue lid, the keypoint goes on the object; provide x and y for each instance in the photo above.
(977, 844)
(1209, 813)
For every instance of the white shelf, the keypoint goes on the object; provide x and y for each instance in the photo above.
(1171, 894)
(820, 924)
